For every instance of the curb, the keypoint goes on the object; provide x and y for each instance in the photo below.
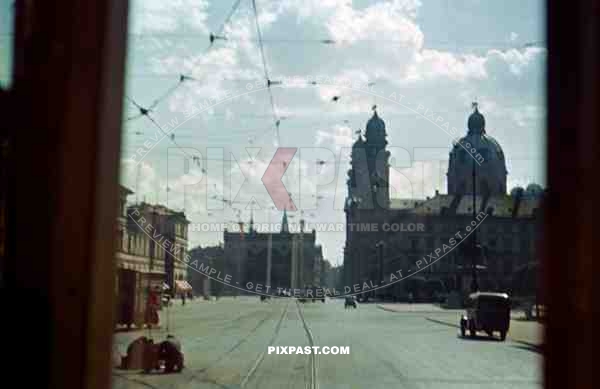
(383, 308)
(537, 346)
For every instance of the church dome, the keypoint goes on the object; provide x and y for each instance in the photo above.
(486, 146)
(534, 190)
(517, 191)
(482, 149)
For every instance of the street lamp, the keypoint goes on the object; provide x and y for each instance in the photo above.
(379, 247)
(474, 246)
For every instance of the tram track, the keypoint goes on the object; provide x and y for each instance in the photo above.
(261, 356)
(314, 382)
(200, 374)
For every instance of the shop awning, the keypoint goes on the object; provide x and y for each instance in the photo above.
(183, 286)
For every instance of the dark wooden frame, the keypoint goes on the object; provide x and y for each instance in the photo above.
(65, 122)
(63, 116)
(570, 252)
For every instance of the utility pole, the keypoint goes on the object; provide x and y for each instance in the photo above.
(474, 251)
(379, 247)
(269, 258)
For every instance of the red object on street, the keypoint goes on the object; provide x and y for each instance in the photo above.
(152, 308)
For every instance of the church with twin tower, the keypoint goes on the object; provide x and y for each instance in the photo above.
(508, 235)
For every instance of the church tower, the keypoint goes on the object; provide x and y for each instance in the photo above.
(284, 222)
(368, 177)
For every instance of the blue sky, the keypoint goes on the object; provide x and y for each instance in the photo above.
(6, 31)
(439, 55)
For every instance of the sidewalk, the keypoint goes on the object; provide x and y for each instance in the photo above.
(417, 308)
(529, 333)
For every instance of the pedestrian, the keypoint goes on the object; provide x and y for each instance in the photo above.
(410, 297)
(152, 306)
(183, 299)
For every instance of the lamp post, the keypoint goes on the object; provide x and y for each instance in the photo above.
(474, 246)
(379, 247)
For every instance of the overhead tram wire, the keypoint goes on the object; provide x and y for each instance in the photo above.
(456, 48)
(144, 111)
(329, 41)
(268, 79)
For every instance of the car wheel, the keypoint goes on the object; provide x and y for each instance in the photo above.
(472, 331)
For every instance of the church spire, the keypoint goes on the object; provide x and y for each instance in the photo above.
(284, 222)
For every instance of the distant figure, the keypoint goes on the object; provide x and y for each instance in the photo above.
(183, 299)
(410, 297)
(170, 352)
(152, 307)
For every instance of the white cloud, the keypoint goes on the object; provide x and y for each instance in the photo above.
(431, 64)
(142, 179)
(337, 136)
(517, 61)
(151, 16)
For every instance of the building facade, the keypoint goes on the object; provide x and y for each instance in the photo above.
(432, 236)
(284, 260)
(142, 262)
(212, 256)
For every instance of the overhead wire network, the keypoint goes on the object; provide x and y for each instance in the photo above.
(266, 70)
(146, 111)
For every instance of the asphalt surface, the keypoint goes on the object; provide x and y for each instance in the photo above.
(225, 345)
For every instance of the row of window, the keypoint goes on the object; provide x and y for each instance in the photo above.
(489, 228)
(141, 245)
(497, 266)
(494, 244)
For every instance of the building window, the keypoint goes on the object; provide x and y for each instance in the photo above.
(414, 244)
(430, 242)
(508, 244)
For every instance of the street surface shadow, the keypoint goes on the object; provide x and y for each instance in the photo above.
(529, 347)
(479, 338)
(532, 320)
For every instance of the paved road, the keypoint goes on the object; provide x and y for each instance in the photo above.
(225, 344)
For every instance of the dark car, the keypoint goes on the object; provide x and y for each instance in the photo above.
(350, 302)
(488, 312)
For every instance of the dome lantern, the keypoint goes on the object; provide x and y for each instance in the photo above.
(476, 122)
